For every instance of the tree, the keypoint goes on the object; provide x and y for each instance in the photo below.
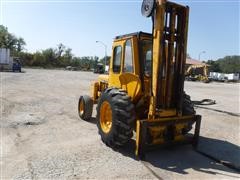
(214, 66)
(26, 58)
(10, 41)
(38, 59)
(3, 36)
(60, 49)
(66, 58)
(20, 44)
(68, 54)
(103, 60)
(228, 64)
(49, 57)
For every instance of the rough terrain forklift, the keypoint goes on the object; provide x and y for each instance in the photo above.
(144, 91)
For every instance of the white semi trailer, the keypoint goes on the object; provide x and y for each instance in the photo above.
(6, 61)
(216, 76)
(232, 77)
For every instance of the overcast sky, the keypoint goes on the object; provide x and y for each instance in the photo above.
(214, 24)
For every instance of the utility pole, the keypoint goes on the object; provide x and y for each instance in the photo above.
(105, 58)
(199, 55)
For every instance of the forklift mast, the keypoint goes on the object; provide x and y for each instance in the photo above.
(170, 29)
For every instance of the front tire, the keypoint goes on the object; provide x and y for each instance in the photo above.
(115, 117)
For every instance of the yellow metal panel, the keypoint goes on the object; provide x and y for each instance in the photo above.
(127, 81)
(157, 60)
(167, 112)
(114, 77)
(103, 78)
(135, 55)
(132, 84)
(171, 118)
(137, 137)
(94, 90)
(156, 133)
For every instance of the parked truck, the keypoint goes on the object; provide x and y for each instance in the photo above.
(8, 63)
(99, 68)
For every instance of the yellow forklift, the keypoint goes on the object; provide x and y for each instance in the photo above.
(144, 91)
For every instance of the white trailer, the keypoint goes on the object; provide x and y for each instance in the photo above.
(221, 77)
(224, 77)
(6, 61)
(213, 75)
(216, 76)
(232, 77)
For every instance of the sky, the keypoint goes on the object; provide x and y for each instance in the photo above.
(213, 25)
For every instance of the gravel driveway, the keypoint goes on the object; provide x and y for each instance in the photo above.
(42, 136)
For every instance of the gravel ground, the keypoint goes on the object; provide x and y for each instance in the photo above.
(42, 136)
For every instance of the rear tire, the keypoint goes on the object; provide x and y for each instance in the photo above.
(188, 106)
(122, 112)
(85, 107)
(188, 109)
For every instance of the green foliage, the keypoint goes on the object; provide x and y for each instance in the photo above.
(214, 66)
(26, 58)
(228, 64)
(62, 56)
(10, 41)
(59, 57)
(103, 60)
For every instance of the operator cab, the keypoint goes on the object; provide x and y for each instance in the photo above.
(137, 44)
(131, 62)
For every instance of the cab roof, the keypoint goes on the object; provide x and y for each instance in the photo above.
(138, 34)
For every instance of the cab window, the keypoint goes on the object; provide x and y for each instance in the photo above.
(128, 57)
(147, 56)
(117, 59)
(148, 63)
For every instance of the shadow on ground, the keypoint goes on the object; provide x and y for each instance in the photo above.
(222, 150)
(179, 159)
(10, 71)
